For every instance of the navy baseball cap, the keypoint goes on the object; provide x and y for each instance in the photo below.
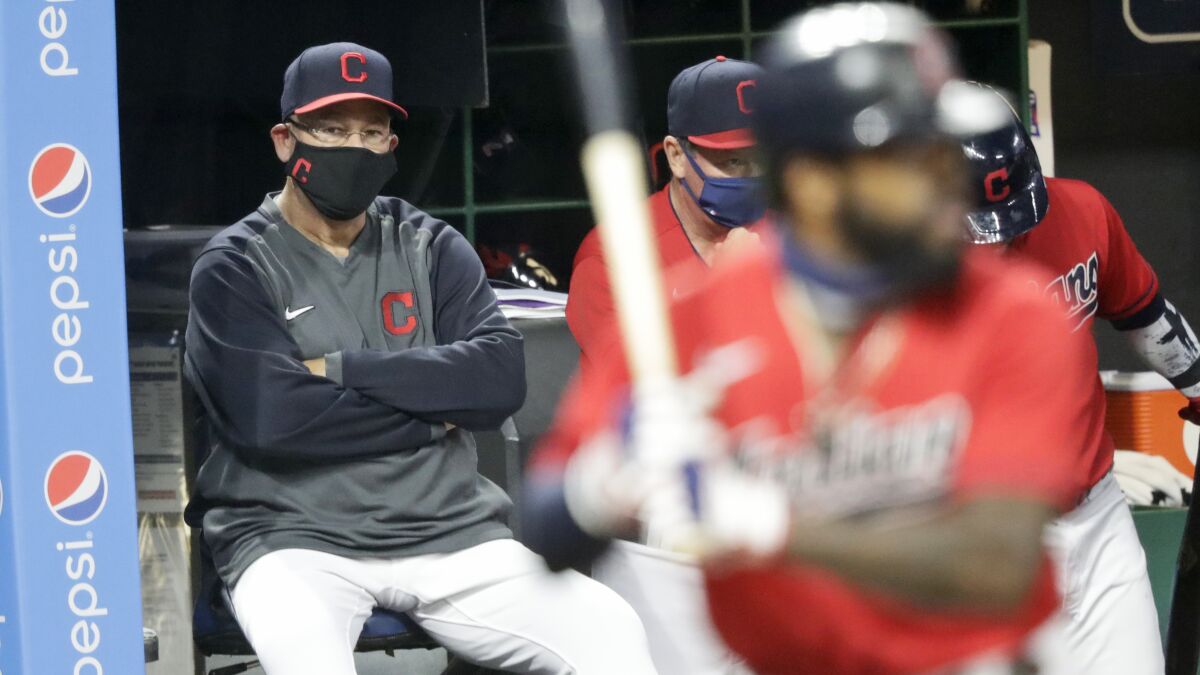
(710, 103)
(340, 71)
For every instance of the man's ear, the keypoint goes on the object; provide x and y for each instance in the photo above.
(673, 149)
(393, 142)
(284, 141)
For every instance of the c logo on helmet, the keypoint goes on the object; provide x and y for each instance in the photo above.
(741, 95)
(989, 184)
(362, 70)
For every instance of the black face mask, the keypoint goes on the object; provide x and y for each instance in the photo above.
(908, 262)
(340, 182)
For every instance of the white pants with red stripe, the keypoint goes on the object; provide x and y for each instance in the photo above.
(1112, 622)
(494, 604)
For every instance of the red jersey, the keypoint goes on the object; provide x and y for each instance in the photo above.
(591, 314)
(1097, 271)
(953, 396)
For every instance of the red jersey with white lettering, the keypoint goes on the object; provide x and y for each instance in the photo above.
(1097, 271)
(591, 314)
(960, 395)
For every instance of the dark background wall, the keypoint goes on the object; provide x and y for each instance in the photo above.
(200, 80)
(199, 83)
(1127, 120)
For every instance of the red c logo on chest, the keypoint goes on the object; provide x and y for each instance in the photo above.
(390, 315)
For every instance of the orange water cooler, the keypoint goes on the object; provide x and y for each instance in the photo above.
(1143, 415)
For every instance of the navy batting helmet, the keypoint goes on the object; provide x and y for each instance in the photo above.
(1010, 191)
(854, 76)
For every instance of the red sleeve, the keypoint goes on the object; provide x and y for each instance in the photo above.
(591, 314)
(1127, 282)
(1030, 408)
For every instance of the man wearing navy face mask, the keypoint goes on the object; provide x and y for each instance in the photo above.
(343, 344)
(705, 208)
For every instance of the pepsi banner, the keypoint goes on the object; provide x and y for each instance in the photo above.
(69, 589)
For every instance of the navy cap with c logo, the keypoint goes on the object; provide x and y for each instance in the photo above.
(340, 71)
(710, 103)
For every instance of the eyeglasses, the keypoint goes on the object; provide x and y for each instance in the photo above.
(334, 135)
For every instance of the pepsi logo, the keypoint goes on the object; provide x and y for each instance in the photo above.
(60, 180)
(76, 488)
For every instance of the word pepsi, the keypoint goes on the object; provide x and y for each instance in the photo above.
(52, 22)
(66, 327)
(84, 602)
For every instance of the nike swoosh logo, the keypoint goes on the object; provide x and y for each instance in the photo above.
(289, 314)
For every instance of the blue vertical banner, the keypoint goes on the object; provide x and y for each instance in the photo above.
(70, 598)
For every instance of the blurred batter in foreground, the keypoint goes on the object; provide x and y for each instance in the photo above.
(864, 450)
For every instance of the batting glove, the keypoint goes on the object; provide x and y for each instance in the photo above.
(669, 424)
(610, 476)
(1150, 480)
(717, 513)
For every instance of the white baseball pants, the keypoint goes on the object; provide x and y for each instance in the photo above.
(494, 604)
(1112, 622)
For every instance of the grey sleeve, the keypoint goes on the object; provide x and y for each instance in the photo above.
(333, 367)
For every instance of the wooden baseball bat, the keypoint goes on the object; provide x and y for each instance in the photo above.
(615, 175)
(1183, 627)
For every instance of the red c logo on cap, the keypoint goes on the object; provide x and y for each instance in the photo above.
(741, 95)
(989, 182)
(362, 71)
